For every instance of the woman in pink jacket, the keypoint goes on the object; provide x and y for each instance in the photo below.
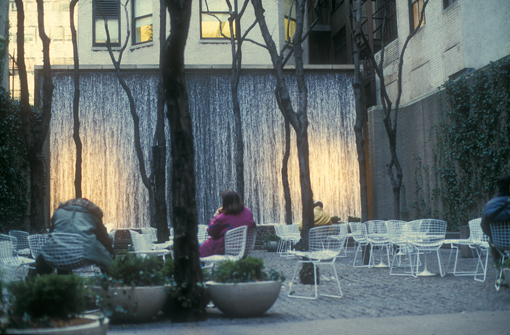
(231, 215)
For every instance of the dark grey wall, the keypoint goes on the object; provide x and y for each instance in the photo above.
(415, 141)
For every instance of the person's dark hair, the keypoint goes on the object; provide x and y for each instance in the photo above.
(504, 182)
(232, 203)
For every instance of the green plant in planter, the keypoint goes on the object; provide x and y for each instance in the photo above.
(353, 219)
(131, 270)
(39, 301)
(249, 269)
(335, 219)
(271, 238)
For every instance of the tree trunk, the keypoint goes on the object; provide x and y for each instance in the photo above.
(299, 120)
(188, 272)
(285, 175)
(360, 120)
(76, 102)
(159, 219)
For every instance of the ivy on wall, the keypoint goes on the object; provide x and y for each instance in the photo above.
(473, 147)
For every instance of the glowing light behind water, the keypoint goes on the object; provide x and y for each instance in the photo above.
(110, 167)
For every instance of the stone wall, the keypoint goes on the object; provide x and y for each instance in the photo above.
(415, 143)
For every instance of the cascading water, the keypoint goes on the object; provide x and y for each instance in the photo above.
(110, 166)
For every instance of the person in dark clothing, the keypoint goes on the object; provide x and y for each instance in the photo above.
(497, 210)
(80, 216)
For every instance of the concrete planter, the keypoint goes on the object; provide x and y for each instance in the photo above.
(244, 299)
(270, 246)
(99, 326)
(140, 303)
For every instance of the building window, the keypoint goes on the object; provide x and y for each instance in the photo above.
(447, 3)
(109, 10)
(340, 52)
(386, 9)
(289, 19)
(142, 21)
(415, 10)
(214, 17)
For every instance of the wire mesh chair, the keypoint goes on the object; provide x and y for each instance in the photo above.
(428, 238)
(202, 234)
(398, 237)
(64, 251)
(22, 247)
(359, 235)
(235, 247)
(12, 267)
(324, 245)
(481, 245)
(292, 236)
(377, 236)
(500, 232)
(143, 246)
(278, 229)
(36, 243)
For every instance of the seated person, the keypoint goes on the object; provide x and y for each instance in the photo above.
(80, 216)
(497, 210)
(232, 214)
(320, 217)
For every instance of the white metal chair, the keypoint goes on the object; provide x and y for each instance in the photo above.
(22, 247)
(377, 236)
(428, 238)
(398, 237)
(202, 234)
(500, 232)
(142, 248)
(12, 266)
(278, 228)
(292, 236)
(235, 246)
(36, 243)
(481, 245)
(64, 251)
(359, 234)
(324, 245)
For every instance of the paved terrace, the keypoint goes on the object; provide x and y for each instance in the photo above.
(373, 303)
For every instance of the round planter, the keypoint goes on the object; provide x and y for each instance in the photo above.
(244, 299)
(98, 327)
(271, 246)
(139, 303)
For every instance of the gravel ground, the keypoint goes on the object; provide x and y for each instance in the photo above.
(370, 293)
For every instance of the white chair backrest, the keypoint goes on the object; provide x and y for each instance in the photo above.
(396, 231)
(6, 250)
(476, 233)
(359, 231)
(22, 237)
(139, 242)
(36, 243)
(64, 251)
(325, 238)
(376, 227)
(13, 240)
(251, 236)
(500, 232)
(235, 241)
(202, 234)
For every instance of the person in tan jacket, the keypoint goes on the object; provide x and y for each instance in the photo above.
(320, 217)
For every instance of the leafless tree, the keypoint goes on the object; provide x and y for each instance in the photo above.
(390, 114)
(188, 272)
(298, 119)
(35, 124)
(76, 103)
(159, 203)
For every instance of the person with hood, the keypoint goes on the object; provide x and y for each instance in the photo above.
(320, 217)
(80, 216)
(232, 214)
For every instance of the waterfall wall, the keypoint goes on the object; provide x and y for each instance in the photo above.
(110, 166)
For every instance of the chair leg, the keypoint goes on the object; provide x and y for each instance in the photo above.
(290, 293)
(484, 267)
(337, 282)
(442, 271)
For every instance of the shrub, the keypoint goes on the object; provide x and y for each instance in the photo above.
(40, 298)
(270, 238)
(131, 270)
(249, 269)
(353, 219)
